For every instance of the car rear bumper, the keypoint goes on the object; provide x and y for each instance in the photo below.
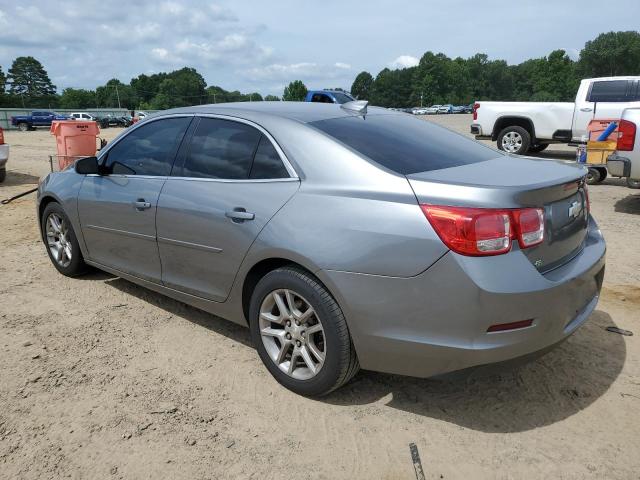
(437, 322)
(4, 155)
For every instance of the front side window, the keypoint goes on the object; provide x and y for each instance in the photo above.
(609, 91)
(149, 149)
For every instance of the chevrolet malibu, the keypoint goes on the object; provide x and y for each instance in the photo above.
(342, 236)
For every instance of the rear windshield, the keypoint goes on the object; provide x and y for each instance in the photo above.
(405, 144)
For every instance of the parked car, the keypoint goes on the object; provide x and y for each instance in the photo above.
(81, 116)
(445, 108)
(36, 119)
(625, 161)
(521, 127)
(419, 111)
(114, 121)
(4, 156)
(390, 244)
(328, 96)
(432, 110)
(458, 109)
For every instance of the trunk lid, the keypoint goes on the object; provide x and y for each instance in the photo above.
(517, 182)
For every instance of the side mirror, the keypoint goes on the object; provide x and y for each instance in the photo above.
(87, 166)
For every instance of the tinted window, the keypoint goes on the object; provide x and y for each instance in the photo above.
(611, 91)
(267, 163)
(321, 98)
(149, 149)
(221, 149)
(405, 144)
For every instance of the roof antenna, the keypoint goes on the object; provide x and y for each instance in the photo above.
(358, 107)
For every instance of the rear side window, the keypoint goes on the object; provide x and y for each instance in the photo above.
(610, 91)
(321, 98)
(267, 163)
(405, 144)
(149, 149)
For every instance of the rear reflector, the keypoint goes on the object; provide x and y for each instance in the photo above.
(501, 327)
(485, 231)
(476, 106)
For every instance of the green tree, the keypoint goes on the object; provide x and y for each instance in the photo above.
(116, 94)
(77, 98)
(271, 98)
(28, 77)
(610, 54)
(295, 91)
(361, 88)
(147, 86)
(3, 81)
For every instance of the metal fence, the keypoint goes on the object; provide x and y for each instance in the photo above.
(7, 113)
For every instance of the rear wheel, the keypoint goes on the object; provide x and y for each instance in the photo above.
(300, 333)
(603, 173)
(514, 140)
(61, 242)
(631, 183)
(23, 127)
(593, 176)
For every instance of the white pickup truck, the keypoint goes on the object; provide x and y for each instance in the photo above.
(521, 127)
(625, 161)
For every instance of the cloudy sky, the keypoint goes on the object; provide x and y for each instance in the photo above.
(261, 46)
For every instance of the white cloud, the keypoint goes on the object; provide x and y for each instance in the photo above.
(404, 61)
(277, 71)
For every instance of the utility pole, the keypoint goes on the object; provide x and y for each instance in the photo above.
(118, 95)
(421, 94)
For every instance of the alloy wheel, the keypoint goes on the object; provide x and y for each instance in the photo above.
(58, 239)
(512, 142)
(292, 334)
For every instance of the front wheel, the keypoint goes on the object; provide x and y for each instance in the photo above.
(61, 241)
(514, 140)
(300, 333)
(23, 127)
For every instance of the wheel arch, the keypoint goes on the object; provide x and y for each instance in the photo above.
(513, 121)
(44, 201)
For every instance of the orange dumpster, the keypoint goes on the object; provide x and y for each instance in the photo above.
(74, 140)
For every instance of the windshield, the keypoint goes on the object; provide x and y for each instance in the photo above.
(405, 144)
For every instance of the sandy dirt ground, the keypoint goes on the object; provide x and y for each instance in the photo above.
(101, 378)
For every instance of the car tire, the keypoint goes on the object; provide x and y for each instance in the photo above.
(23, 127)
(631, 183)
(538, 147)
(57, 239)
(3, 175)
(593, 176)
(293, 284)
(514, 140)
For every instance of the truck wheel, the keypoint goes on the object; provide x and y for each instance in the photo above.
(23, 127)
(514, 140)
(538, 148)
(603, 173)
(593, 176)
(3, 174)
(633, 183)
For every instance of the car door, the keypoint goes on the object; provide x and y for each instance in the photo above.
(39, 119)
(117, 209)
(228, 181)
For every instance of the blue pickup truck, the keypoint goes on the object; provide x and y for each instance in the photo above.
(328, 96)
(38, 118)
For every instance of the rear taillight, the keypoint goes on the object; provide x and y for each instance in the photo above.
(485, 231)
(626, 135)
(1, 137)
(476, 106)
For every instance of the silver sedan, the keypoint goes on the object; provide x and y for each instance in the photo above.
(342, 236)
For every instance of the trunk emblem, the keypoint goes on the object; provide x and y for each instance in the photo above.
(574, 210)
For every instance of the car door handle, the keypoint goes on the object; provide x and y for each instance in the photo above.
(239, 215)
(586, 109)
(141, 204)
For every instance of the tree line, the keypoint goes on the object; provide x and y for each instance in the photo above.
(436, 79)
